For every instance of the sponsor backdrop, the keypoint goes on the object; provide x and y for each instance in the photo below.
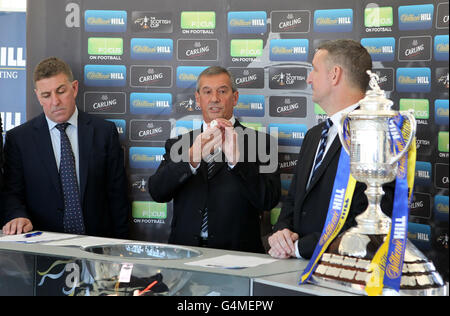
(137, 62)
(12, 68)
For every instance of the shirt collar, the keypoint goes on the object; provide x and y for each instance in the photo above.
(232, 120)
(336, 117)
(72, 121)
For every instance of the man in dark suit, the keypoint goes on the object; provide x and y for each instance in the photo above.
(221, 187)
(339, 81)
(1, 158)
(1, 171)
(64, 169)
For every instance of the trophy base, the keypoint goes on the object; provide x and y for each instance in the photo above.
(359, 289)
(344, 266)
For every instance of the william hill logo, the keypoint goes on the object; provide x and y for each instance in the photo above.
(289, 49)
(415, 17)
(105, 21)
(380, 49)
(441, 47)
(12, 57)
(105, 75)
(248, 22)
(340, 20)
(146, 157)
(413, 79)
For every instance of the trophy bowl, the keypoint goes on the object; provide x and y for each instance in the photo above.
(367, 137)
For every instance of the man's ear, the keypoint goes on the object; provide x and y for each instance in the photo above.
(38, 96)
(336, 74)
(75, 87)
(236, 98)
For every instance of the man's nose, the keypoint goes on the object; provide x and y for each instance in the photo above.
(215, 97)
(55, 99)
(308, 79)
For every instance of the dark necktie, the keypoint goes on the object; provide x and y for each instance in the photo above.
(204, 229)
(322, 146)
(73, 216)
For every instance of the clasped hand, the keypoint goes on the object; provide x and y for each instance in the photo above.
(223, 136)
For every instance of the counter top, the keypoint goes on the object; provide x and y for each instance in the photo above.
(72, 248)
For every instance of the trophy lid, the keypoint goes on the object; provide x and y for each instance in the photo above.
(375, 100)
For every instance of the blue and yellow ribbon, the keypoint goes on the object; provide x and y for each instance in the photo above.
(386, 266)
(341, 199)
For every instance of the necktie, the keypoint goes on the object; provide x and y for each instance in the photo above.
(204, 229)
(322, 146)
(73, 216)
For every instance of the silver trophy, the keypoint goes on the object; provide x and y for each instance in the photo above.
(345, 263)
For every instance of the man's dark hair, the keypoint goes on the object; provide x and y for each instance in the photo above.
(354, 59)
(216, 70)
(50, 67)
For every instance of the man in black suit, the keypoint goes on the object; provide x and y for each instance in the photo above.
(339, 81)
(219, 188)
(64, 166)
(1, 157)
(1, 171)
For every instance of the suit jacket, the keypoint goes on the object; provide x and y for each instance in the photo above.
(1, 172)
(305, 209)
(32, 184)
(235, 198)
(1, 161)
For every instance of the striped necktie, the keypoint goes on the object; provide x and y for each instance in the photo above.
(322, 146)
(204, 229)
(73, 215)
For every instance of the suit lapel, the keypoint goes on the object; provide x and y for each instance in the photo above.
(310, 154)
(85, 141)
(332, 151)
(202, 170)
(44, 146)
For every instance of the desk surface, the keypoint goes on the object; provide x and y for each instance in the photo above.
(72, 249)
(281, 273)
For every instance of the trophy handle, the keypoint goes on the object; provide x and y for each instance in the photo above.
(412, 120)
(341, 135)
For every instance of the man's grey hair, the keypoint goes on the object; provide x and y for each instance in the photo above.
(213, 71)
